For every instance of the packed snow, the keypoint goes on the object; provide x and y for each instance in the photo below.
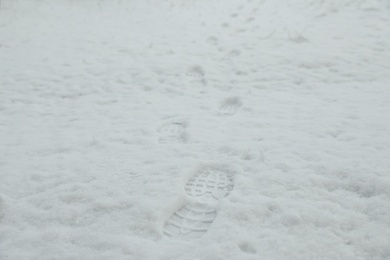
(195, 129)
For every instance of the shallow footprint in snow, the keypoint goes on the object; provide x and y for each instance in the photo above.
(247, 248)
(190, 221)
(230, 106)
(205, 190)
(196, 75)
(209, 185)
(173, 133)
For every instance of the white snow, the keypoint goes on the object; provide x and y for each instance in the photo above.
(109, 108)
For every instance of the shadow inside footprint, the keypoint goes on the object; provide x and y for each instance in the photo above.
(230, 106)
(173, 133)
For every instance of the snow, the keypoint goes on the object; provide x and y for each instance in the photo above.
(109, 110)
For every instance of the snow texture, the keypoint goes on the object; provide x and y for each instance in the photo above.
(111, 110)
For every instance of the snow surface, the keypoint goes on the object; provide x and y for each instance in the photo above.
(108, 108)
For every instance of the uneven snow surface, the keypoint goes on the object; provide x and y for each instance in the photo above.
(195, 129)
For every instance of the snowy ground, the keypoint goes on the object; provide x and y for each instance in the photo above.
(111, 110)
